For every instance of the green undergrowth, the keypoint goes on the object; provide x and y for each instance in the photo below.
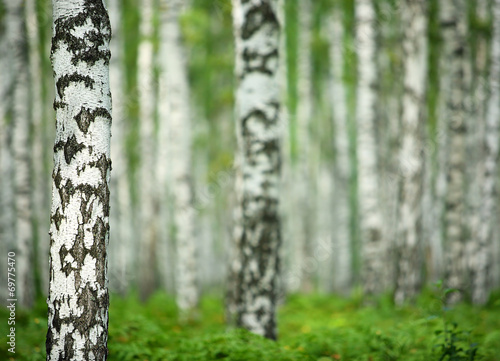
(311, 327)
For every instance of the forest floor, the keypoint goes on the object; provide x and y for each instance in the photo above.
(311, 327)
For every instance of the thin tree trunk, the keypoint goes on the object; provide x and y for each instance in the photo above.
(179, 131)
(78, 292)
(455, 52)
(147, 170)
(257, 33)
(409, 239)
(121, 240)
(480, 262)
(21, 153)
(342, 274)
(373, 244)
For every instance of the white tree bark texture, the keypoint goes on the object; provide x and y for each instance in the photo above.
(373, 244)
(455, 53)
(409, 236)
(257, 234)
(78, 292)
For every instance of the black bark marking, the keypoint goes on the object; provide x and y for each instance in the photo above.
(69, 351)
(257, 62)
(71, 147)
(64, 81)
(86, 116)
(257, 17)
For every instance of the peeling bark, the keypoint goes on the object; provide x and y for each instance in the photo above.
(78, 292)
(257, 234)
(409, 237)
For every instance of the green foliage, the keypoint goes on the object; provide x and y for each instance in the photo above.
(313, 327)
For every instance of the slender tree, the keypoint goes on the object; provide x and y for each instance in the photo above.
(257, 235)
(455, 52)
(409, 237)
(147, 170)
(480, 261)
(176, 115)
(78, 292)
(373, 246)
(342, 169)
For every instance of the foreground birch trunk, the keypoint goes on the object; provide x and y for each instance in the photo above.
(373, 245)
(409, 235)
(78, 292)
(257, 235)
(177, 118)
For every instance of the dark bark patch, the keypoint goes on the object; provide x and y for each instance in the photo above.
(71, 147)
(86, 116)
(257, 17)
(64, 81)
(69, 351)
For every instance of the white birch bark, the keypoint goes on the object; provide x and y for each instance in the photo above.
(40, 211)
(177, 118)
(342, 260)
(257, 236)
(373, 244)
(409, 236)
(454, 26)
(21, 151)
(121, 243)
(78, 292)
(480, 261)
(147, 170)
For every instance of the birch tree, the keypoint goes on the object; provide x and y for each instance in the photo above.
(342, 169)
(121, 243)
(257, 235)
(20, 118)
(409, 245)
(176, 115)
(480, 261)
(373, 246)
(147, 172)
(78, 292)
(455, 52)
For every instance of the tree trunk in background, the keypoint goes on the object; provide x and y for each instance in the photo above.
(147, 170)
(178, 121)
(409, 236)
(78, 293)
(257, 32)
(303, 218)
(40, 212)
(7, 232)
(481, 257)
(21, 150)
(342, 262)
(121, 246)
(455, 52)
(373, 245)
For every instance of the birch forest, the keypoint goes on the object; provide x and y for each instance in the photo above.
(250, 180)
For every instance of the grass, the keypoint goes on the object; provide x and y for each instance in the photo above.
(311, 327)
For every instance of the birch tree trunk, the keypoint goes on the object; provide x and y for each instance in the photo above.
(179, 131)
(409, 239)
(78, 292)
(21, 151)
(147, 170)
(342, 170)
(455, 52)
(480, 262)
(257, 236)
(121, 243)
(373, 244)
